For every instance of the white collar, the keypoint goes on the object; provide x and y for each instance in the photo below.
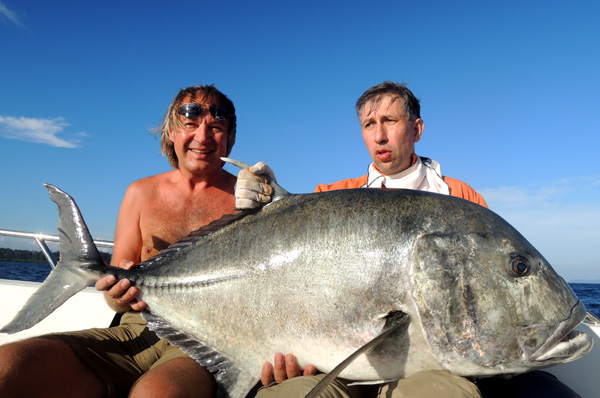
(424, 175)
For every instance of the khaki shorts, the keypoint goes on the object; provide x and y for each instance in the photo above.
(121, 355)
(432, 384)
(298, 387)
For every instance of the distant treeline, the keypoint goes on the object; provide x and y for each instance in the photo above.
(30, 256)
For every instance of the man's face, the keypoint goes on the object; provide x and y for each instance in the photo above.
(201, 141)
(389, 136)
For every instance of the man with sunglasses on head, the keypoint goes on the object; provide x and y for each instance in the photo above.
(129, 360)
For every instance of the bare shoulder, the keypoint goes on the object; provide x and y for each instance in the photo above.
(149, 185)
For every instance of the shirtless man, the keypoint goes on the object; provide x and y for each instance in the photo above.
(197, 130)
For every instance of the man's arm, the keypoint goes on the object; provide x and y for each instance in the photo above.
(119, 294)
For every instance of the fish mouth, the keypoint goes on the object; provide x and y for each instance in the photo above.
(573, 346)
(556, 342)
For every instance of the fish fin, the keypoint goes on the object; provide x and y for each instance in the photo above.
(397, 322)
(196, 235)
(211, 227)
(232, 381)
(371, 382)
(71, 275)
(278, 191)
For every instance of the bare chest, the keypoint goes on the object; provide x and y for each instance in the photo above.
(167, 220)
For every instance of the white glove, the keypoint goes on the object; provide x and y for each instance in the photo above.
(252, 188)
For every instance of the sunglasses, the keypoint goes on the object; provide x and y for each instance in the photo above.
(195, 110)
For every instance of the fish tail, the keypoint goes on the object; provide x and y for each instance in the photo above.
(75, 270)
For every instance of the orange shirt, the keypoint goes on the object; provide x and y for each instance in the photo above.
(457, 188)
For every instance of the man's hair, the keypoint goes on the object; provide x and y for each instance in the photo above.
(171, 120)
(375, 94)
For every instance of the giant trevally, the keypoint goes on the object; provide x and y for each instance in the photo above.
(321, 275)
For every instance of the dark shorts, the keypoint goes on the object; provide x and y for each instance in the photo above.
(121, 355)
(528, 385)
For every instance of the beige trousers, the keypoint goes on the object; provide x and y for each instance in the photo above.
(433, 384)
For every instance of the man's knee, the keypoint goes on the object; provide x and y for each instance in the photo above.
(10, 361)
(178, 377)
(431, 384)
(31, 352)
(47, 360)
(300, 386)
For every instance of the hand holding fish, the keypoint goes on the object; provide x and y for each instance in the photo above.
(252, 188)
(284, 368)
(120, 294)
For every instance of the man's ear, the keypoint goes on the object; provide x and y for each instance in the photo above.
(419, 126)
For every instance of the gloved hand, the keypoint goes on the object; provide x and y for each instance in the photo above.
(252, 188)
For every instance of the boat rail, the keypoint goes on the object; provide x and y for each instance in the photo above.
(41, 240)
(592, 319)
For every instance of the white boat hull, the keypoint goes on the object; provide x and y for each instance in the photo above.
(85, 310)
(583, 375)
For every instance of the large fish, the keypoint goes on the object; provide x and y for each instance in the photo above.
(454, 286)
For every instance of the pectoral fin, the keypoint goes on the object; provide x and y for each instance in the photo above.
(396, 322)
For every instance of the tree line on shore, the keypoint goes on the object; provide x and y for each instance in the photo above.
(32, 256)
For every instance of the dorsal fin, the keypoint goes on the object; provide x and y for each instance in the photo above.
(209, 228)
(206, 230)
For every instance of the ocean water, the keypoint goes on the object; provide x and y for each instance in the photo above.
(588, 293)
(21, 271)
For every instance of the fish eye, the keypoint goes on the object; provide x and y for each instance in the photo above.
(521, 266)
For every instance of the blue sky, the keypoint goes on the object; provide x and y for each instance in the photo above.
(509, 94)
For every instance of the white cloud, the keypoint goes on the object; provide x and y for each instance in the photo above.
(9, 15)
(547, 195)
(41, 131)
(561, 219)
